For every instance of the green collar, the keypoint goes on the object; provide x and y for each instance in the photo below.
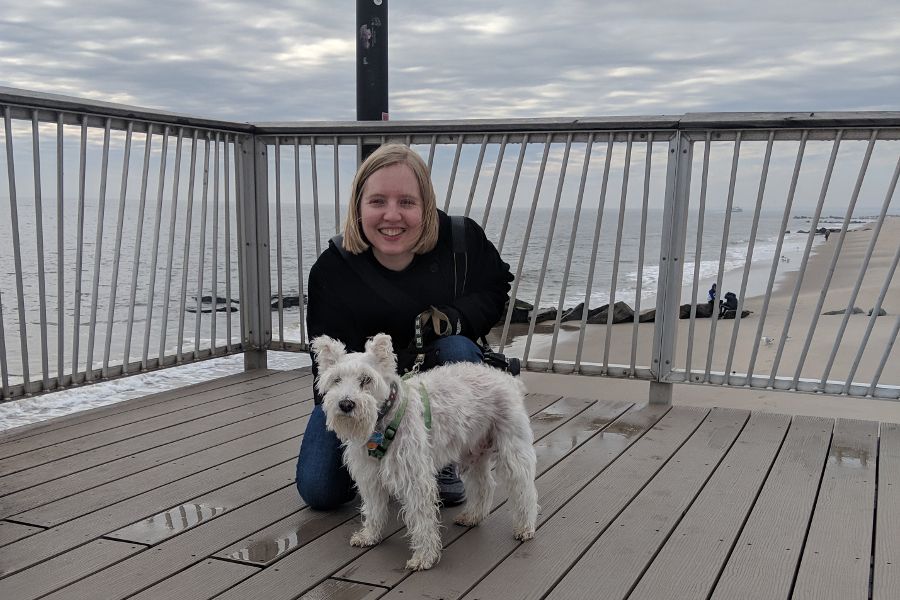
(379, 442)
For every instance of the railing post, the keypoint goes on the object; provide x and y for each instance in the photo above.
(671, 266)
(255, 278)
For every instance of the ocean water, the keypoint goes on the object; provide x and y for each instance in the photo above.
(139, 330)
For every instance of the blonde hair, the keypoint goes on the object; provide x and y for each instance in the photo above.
(391, 154)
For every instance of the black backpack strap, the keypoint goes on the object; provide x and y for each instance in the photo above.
(460, 258)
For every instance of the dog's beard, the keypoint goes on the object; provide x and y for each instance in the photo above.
(355, 427)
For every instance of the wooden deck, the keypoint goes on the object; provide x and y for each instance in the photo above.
(190, 494)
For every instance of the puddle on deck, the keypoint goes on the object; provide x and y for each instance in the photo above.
(166, 524)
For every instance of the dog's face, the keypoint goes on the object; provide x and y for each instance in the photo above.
(354, 385)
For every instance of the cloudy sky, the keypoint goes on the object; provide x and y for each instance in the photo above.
(295, 59)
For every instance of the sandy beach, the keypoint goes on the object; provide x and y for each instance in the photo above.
(822, 332)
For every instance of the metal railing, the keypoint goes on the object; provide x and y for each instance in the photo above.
(640, 215)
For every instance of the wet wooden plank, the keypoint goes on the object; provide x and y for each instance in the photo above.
(292, 420)
(147, 433)
(134, 574)
(143, 403)
(569, 532)
(886, 581)
(11, 532)
(836, 558)
(335, 589)
(385, 564)
(612, 565)
(203, 580)
(765, 557)
(479, 549)
(64, 569)
(689, 564)
(79, 531)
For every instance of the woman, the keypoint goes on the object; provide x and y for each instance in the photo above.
(395, 230)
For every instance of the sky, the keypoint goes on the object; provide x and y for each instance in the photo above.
(295, 59)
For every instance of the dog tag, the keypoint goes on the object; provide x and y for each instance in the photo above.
(375, 440)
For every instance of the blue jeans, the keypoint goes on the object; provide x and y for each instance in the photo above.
(322, 479)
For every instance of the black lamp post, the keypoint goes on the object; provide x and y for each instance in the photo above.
(371, 63)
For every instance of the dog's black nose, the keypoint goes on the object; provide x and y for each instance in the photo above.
(346, 405)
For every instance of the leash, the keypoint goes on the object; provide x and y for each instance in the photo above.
(379, 442)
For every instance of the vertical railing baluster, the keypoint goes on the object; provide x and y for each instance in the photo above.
(114, 277)
(575, 220)
(497, 166)
(723, 249)
(79, 252)
(889, 276)
(278, 240)
(431, 152)
(883, 362)
(239, 200)
(776, 258)
(459, 144)
(215, 249)
(17, 247)
(549, 244)
(526, 238)
(136, 263)
(204, 203)
(639, 283)
(60, 256)
(610, 307)
(98, 252)
(39, 236)
(4, 367)
(512, 197)
(154, 255)
(315, 193)
(698, 259)
(299, 218)
(863, 168)
(789, 316)
(761, 190)
(594, 245)
(337, 187)
(185, 262)
(170, 257)
(475, 175)
(225, 165)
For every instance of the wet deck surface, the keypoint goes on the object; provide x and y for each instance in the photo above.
(190, 494)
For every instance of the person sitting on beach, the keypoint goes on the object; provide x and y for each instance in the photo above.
(728, 306)
(711, 296)
(394, 234)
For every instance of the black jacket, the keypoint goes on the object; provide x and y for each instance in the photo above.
(343, 306)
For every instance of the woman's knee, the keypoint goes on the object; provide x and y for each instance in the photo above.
(457, 348)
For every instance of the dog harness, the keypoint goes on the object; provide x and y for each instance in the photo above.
(380, 441)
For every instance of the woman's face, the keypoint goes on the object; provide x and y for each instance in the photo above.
(390, 211)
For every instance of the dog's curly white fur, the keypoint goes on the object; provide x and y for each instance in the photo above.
(478, 420)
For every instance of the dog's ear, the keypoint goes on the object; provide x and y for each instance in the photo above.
(382, 352)
(328, 351)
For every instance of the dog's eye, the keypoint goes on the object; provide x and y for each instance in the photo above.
(335, 381)
(365, 380)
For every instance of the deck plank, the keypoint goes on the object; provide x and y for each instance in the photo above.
(480, 549)
(335, 589)
(142, 466)
(12, 532)
(385, 563)
(150, 404)
(64, 569)
(565, 536)
(201, 581)
(689, 564)
(886, 580)
(764, 560)
(835, 563)
(613, 564)
(155, 431)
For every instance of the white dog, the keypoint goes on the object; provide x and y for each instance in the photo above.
(477, 418)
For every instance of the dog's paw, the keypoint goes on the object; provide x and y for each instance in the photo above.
(467, 519)
(523, 534)
(363, 539)
(420, 562)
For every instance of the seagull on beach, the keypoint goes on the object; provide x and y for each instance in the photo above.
(767, 340)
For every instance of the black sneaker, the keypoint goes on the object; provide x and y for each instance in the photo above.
(450, 486)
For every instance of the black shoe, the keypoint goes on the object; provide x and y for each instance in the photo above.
(450, 486)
